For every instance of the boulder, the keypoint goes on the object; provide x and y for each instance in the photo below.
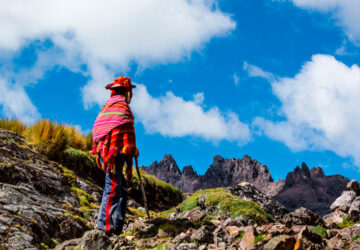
(354, 211)
(181, 238)
(186, 246)
(353, 186)
(281, 242)
(203, 235)
(343, 202)
(93, 239)
(247, 240)
(233, 230)
(333, 219)
(302, 216)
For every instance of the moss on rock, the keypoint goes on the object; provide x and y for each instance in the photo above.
(220, 201)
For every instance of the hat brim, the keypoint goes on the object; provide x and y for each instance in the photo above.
(118, 86)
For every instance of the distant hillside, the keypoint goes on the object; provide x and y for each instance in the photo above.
(311, 189)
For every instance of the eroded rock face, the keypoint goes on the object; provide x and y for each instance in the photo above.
(247, 191)
(310, 188)
(36, 200)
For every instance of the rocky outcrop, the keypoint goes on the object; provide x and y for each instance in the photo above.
(310, 188)
(346, 206)
(43, 202)
(247, 191)
(222, 173)
(38, 198)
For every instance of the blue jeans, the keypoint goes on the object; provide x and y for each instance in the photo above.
(111, 215)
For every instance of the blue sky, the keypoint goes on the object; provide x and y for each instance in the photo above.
(277, 80)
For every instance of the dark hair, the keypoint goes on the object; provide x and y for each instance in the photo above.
(120, 91)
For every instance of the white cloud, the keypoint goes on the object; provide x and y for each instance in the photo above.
(110, 35)
(255, 71)
(16, 103)
(321, 106)
(199, 98)
(235, 78)
(173, 116)
(346, 13)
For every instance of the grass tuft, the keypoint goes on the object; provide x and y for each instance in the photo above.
(13, 125)
(345, 223)
(259, 238)
(48, 138)
(320, 231)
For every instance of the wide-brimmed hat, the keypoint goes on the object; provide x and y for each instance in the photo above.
(121, 81)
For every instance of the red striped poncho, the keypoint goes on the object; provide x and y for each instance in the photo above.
(113, 132)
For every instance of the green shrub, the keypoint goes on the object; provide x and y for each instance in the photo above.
(259, 238)
(345, 222)
(320, 231)
(355, 237)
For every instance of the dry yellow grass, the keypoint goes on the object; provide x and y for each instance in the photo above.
(49, 138)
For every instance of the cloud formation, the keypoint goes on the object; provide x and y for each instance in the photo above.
(110, 35)
(173, 116)
(255, 71)
(16, 103)
(346, 13)
(320, 105)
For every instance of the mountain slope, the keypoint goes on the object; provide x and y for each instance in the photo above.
(311, 189)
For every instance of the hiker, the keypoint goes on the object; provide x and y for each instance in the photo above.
(115, 145)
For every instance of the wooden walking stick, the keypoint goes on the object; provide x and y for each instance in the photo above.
(142, 187)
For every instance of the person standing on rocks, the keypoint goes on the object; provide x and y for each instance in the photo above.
(114, 146)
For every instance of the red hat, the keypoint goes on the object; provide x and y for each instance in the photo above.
(121, 81)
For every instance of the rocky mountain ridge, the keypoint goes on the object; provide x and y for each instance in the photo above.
(303, 187)
(222, 173)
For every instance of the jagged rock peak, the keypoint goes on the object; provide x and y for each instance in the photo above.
(317, 172)
(298, 175)
(311, 189)
(189, 171)
(218, 158)
(305, 170)
(169, 162)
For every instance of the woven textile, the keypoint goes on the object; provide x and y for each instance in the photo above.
(114, 113)
(113, 133)
(121, 140)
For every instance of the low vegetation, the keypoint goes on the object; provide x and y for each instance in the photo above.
(345, 223)
(320, 231)
(151, 180)
(225, 203)
(259, 238)
(49, 138)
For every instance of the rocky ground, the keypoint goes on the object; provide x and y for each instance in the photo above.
(47, 205)
(203, 225)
